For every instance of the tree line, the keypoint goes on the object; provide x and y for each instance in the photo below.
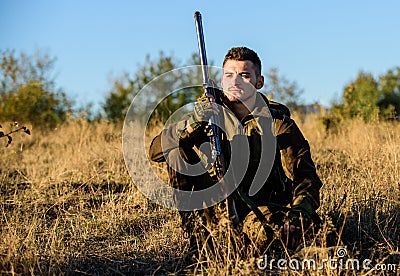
(29, 93)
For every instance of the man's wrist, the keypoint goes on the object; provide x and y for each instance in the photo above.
(189, 129)
(181, 129)
(184, 129)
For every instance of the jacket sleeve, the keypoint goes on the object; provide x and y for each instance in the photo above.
(172, 137)
(163, 143)
(298, 165)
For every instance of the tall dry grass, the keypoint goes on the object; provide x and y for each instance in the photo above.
(68, 205)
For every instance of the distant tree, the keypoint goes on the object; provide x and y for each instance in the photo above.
(19, 70)
(280, 89)
(118, 100)
(389, 96)
(125, 88)
(367, 98)
(32, 103)
(27, 91)
(360, 97)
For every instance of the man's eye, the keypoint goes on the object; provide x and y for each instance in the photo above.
(245, 76)
(228, 75)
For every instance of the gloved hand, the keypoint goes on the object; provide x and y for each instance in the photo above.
(203, 110)
(296, 224)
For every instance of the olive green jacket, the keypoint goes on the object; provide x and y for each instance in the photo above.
(293, 179)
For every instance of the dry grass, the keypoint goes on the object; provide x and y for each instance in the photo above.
(68, 205)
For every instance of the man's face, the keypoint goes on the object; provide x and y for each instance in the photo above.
(240, 81)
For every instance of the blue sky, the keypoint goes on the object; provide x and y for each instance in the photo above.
(319, 44)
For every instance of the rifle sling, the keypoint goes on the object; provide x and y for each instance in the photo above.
(267, 228)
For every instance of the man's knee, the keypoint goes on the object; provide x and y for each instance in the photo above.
(255, 229)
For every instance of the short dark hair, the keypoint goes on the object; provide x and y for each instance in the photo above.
(244, 53)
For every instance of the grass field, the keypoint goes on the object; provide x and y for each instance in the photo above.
(68, 205)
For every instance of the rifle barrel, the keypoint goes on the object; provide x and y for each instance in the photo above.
(202, 47)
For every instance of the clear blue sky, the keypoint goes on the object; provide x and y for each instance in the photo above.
(319, 44)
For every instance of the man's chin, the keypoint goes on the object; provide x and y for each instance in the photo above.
(232, 98)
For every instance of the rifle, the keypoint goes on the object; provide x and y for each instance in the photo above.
(210, 92)
(215, 138)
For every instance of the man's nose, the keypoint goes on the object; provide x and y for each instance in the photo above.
(238, 79)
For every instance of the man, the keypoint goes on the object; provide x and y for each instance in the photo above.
(289, 194)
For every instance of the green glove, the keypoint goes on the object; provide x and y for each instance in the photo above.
(201, 113)
(301, 222)
(299, 217)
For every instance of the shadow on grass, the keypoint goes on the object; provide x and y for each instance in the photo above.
(135, 266)
(371, 231)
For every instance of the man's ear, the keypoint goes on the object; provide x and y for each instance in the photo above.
(260, 82)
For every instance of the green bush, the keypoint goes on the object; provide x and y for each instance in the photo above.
(27, 91)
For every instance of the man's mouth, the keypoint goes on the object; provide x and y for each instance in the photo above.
(234, 90)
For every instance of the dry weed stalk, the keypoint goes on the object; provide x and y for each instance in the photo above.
(14, 129)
